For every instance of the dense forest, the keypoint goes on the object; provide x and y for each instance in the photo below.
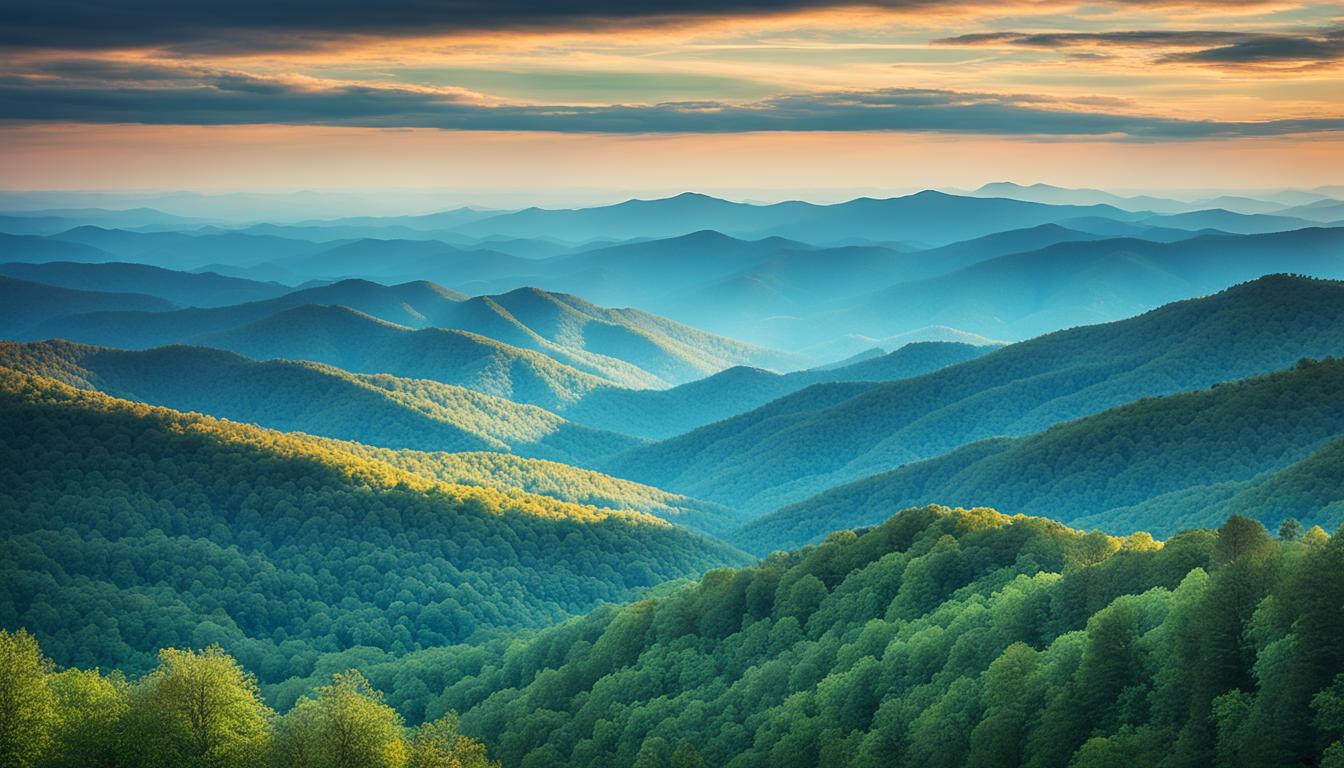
(129, 528)
(940, 638)
(944, 638)
(1157, 464)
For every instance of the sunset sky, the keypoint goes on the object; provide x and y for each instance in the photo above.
(743, 95)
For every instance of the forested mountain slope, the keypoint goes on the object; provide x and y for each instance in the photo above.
(664, 413)
(358, 343)
(824, 436)
(318, 399)
(129, 528)
(940, 638)
(185, 289)
(1149, 465)
(626, 347)
(636, 346)
(563, 482)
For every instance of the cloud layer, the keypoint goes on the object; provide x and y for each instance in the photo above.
(94, 91)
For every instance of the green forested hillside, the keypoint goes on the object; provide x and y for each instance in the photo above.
(941, 638)
(664, 413)
(1158, 465)
(318, 399)
(627, 347)
(561, 481)
(813, 440)
(576, 331)
(359, 343)
(129, 528)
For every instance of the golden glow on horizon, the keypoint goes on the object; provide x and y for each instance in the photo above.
(298, 157)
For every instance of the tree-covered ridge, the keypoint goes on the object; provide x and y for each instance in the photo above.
(360, 343)
(561, 481)
(318, 399)
(624, 347)
(202, 709)
(945, 638)
(1149, 465)
(627, 346)
(129, 528)
(664, 413)
(791, 449)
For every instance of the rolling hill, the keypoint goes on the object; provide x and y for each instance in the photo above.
(617, 343)
(939, 638)
(185, 289)
(625, 347)
(1135, 467)
(407, 304)
(359, 343)
(317, 399)
(280, 547)
(827, 435)
(34, 249)
(662, 413)
(25, 305)
(563, 482)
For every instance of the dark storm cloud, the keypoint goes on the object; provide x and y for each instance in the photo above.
(279, 24)
(116, 93)
(1210, 47)
(247, 25)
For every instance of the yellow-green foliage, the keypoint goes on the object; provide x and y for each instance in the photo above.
(200, 708)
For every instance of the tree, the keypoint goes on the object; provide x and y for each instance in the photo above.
(199, 709)
(92, 709)
(441, 745)
(28, 713)
(1290, 530)
(346, 725)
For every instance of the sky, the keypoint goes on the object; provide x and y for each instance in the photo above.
(762, 98)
